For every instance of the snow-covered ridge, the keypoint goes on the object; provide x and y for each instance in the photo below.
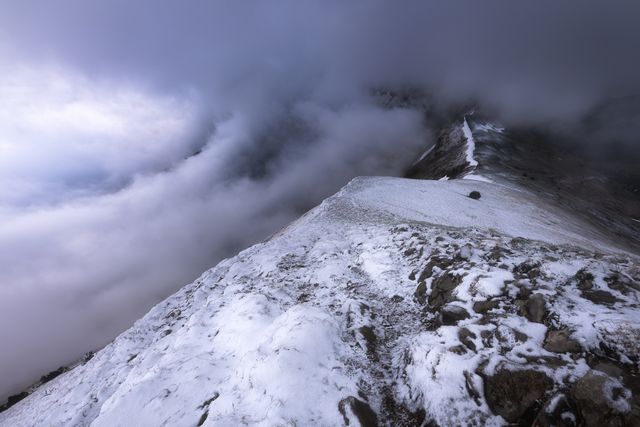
(452, 156)
(395, 302)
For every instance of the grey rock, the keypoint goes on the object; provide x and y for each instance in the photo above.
(511, 393)
(363, 412)
(558, 411)
(452, 314)
(466, 337)
(601, 400)
(609, 369)
(421, 293)
(534, 308)
(584, 279)
(601, 297)
(482, 307)
(442, 287)
(475, 195)
(561, 342)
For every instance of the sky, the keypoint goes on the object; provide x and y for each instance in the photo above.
(142, 142)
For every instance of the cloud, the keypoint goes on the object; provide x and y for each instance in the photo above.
(77, 271)
(63, 136)
(104, 209)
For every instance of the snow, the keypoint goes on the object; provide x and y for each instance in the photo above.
(476, 177)
(291, 328)
(489, 127)
(471, 144)
(435, 382)
(507, 210)
(425, 154)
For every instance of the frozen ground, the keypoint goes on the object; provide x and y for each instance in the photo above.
(395, 302)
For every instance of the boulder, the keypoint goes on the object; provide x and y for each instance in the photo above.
(466, 337)
(534, 308)
(601, 400)
(475, 195)
(482, 307)
(451, 314)
(512, 393)
(442, 287)
(362, 411)
(561, 342)
(599, 296)
(558, 411)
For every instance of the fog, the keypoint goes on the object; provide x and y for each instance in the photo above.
(142, 142)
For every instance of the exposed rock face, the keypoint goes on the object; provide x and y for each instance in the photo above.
(447, 157)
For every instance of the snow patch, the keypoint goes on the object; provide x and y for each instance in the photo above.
(471, 143)
(425, 154)
(476, 177)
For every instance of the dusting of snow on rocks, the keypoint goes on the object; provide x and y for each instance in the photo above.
(395, 302)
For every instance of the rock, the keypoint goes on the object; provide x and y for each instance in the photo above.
(507, 337)
(534, 308)
(601, 400)
(452, 314)
(484, 306)
(584, 279)
(609, 369)
(12, 400)
(520, 336)
(619, 339)
(601, 297)
(421, 293)
(529, 270)
(53, 374)
(471, 387)
(371, 341)
(496, 253)
(397, 299)
(524, 292)
(409, 252)
(475, 195)
(435, 261)
(442, 287)
(557, 412)
(561, 342)
(363, 412)
(466, 337)
(621, 284)
(511, 393)
(457, 349)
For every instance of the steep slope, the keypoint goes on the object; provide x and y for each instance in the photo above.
(395, 302)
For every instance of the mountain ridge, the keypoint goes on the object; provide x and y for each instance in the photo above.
(395, 301)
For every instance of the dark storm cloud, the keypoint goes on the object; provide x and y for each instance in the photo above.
(274, 95)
